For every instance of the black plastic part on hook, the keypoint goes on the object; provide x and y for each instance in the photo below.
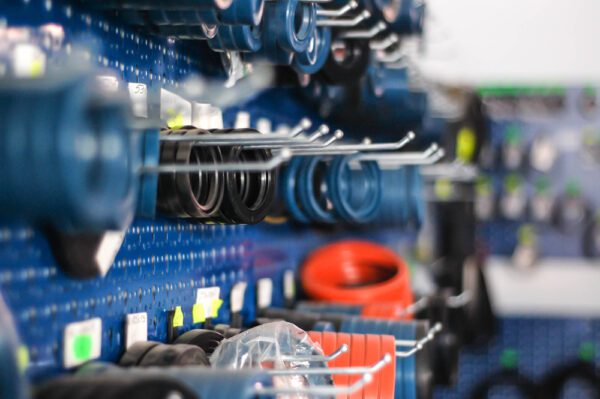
(347, 65)
(76, 253)
(424, 363)
(174, 355)
(248, 195)
(208, 340)
(113, 386)
(445, 348)
(522, 384)
(136, 352)
(554, 382)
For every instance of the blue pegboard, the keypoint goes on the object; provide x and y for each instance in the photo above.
(541, 343)
(569, 128)
(162, 263)
(159, 267)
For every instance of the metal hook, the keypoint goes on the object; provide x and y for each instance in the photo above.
(397, 159)
(399, 156)
(337, 135)
(460, 300)
(365, 33)
(418, 345)
(354, 148)
(345, 23)
(318, 358)
(396, 55)
(319, 390)
(339, 12)
(384, 43)
(283, 155)
(236, 138)
(336, 371)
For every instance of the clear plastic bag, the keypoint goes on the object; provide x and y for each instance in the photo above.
(272, 346)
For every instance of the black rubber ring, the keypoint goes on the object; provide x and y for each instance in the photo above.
(208, 340)
(175, 355)
(136, 353)
(554, 382)
(524, 385)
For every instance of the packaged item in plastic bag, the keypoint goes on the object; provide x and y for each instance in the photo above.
(277, 345)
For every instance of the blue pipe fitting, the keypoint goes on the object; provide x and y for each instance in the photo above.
(246, 12)
(181, 5)
(295, 24)
(316, 211)
(243, 38)
(271, 51)
(313, 58)
(416, 204)
(288, 190)
(72, 164)
(343, 189)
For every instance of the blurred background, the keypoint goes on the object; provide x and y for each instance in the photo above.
(299, 198)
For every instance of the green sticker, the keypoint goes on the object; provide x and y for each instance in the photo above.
(509, 359)
(82, 347)
(587, 352)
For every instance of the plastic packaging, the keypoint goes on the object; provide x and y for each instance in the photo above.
(272, 346)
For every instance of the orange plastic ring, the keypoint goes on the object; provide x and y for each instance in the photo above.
(344, 359)
(372, 356)
(357, 272)
(357, 359)
(388, 373)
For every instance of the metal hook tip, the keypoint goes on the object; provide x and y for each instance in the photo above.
(438, 327)
(367, 378)
(305, 123)
(285, 153)
(353, 4)
(365, 14)
(344, 348)
(324, 129)
(387, 358)
(411, 135)
(338, 134)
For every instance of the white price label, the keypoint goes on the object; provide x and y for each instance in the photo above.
(136, 328)
(237, 297)
(206, 297)
(138, 94)
(82, 342)
(264, 292)
(289, 284)
(108, 249)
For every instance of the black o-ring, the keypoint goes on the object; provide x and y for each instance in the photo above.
(174, 355)
(136, 352)
(208, 340)
(248, 195)
(504, 377)
(554, 382)
(167, 199)
(200, 194)
(349, 69)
